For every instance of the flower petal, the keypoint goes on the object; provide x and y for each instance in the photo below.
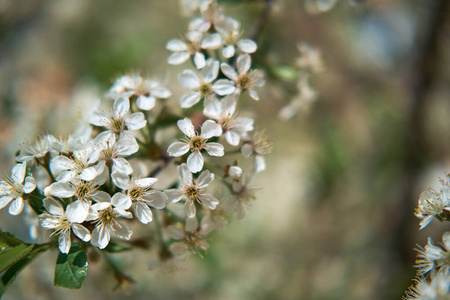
(121, 180)
(189, 209)
(211, 41)
(145, 103)
(184, 174)
(244, 63)
(232, 137)
(189, 79)
(191, 224)
(247, 46)
(122, 231)
(81, 232)
(122, 165)
(228, 51)
(176, 45)
(173, 195)
(61, 190)
(211, 70)
(223, 87)
(18, 172)
(214, 149)
(77, 211)
(135, 121)
(64, 242)
(209, 201)
(101, 236)
(178, 149)
(204, 179)
(145, 182)
(29, 185)
(210, 129)
(199, 60)
(121, 107)
(16, 206)
(178, 58)
(190, 99)
(53, 206)
(195, 162)
(143, 212)
(229, 71)
(121, 201)
(186, 127)
(156, 199)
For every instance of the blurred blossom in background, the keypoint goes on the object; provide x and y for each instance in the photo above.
(333, 215)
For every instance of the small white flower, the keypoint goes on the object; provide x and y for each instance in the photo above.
(234, 126)
(241, 195)
(302, 102)
(231, 41)
(62, 225)
(246, 79)
(192, 191)
(434, 257)
(104, 215)
(139, 192)
(13, 188)
(146, 90)
(202, 86)
(195, 143)
(235, 172)
(212, 16)
(257, 146)
(192, 238)
(437, 289)
(35, 151)
(77, 166)
(310, 59)
(193, 45)
(67, 145)
(431, 203)
(119, 120)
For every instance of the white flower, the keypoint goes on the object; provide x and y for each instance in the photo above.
(83, 191)
(193, 45)
(234, 126)
(139, 192)
(434, 257)
(212, 16)
(119, 120)
(109, 151)
(232, 41)
(104, 215)
(258, 146)
(437, 289)
(302, 102)
(235, 172)
(67, 145)
(431, 203)
(62, 224)
(310, 59)
(195, 142)
(13, 188)
(146, 90)
(202, 86)
(192, 237)
(192, 191)
(36, 150)
(246, 79)
(77, 166)
(241, 195)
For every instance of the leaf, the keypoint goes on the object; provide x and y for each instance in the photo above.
(10, 256)
(35, 200)
(11, 274)
(7, 240)
(284, 72)
(115, 247)
(71, 269)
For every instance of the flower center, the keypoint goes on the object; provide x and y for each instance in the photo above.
(107, 216)
(83, 191)
(197, 143)
(192, 193)
(117, 125)
(243, 81)
(205, 89)
(136, 193)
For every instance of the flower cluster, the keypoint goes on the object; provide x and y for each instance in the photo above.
(91, 186)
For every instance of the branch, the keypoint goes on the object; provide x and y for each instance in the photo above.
(257, 28)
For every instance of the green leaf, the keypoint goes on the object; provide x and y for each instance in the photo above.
(35, 200)
(7, 240)
(11, 274)
(10, 256)
(71, 268)
(284, 72)
(115, 247)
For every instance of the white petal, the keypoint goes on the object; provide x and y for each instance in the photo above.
(122, 165)
(5, 201)
(64, 242)
(191, 224)
(209, 201)
(101, 196)
(122, 231)
(156, 199)
(232, 137)
(16, 206)
(18, 172)
(228, 51)
(53, 207)
(88, 174)
(247, 46)
(81, 232)
(121, 107)
(61, 163)
(190, 99)
(210, 129)
(121, 201)
(211, 70)
(244, 63)
(195, 162)
(185, 175)
(145, 103)
(161, 92)
(30, 185)
(176, 45)
(223, 87)
(178, 58)
(143, 212)
(77, 211)
(213, 109)
(178, 149)
(175, 232)
(212, 41)
(66, 176)
(199, 60)
(229, 71)
(247, 150)
(189, 79)
(101, 236)
(189, 209)
(235, 172)
(204, 179)
(135, 121)
(173, 195)
(145, 182)
(186, 127)
(214, 149)
(121, 180)
(61, 190)
(259, 163)
(253, 94)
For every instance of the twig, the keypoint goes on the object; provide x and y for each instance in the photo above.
(259, 25)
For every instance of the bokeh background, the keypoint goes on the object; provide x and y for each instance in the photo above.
(333, 218)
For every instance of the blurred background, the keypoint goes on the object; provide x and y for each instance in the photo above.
(333, 218)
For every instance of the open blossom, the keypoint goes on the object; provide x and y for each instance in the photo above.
(83, 191)
(245, 79)
(232, 40)
(62, 225)
(193, 45)
(104, 215)
(434, 257)
(146, 90)
(195, 143)
(110, 151)
(257, 146)
(202, 86)
(36, 150)
(241, 195)
(119, 120)
(13, 188)
(68, 145)
(437, 289)
(138, 192)
(431, 203)
(192, 190)
(212, 15)
(75, 166)
(234, 126)
(191, 238)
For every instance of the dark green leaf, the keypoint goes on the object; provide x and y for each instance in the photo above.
(11, 274)
(71, 268)
(115, 247)
(7, 240)
(35, 200)
(10, 256)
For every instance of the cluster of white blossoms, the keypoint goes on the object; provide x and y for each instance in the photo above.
(89, 187)
(433, 261)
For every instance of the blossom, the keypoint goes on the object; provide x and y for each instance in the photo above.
(232, 123)
(431, 203)
(202, 86)
(192, 190)
(104, 215)
(192, 238)
(35, 151)
(119, 120)
(310, 59)
(13, 188)
(437, 289)
(195, 143)
(212, 15)
(193, 45)
(62, 224)
(245, 79)
(139, 192)
(434, 257)
(241, 195)
(231, 41)
(257, 146)
(75, 166)
(146, 90)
